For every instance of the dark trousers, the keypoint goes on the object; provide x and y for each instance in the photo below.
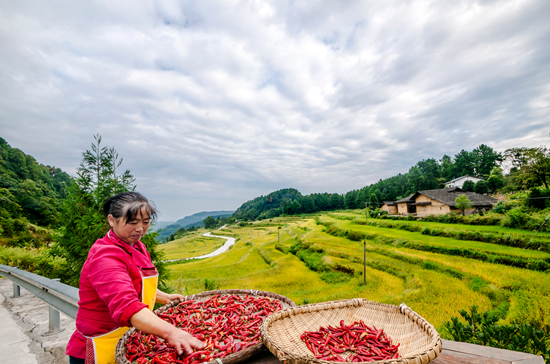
(73, 360)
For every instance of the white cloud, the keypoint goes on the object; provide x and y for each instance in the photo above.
(212, 103)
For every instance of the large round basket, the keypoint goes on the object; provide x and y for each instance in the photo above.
(231, 358)
(419, 341)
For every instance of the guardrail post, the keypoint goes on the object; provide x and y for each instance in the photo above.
(16, 291)
(54, 320)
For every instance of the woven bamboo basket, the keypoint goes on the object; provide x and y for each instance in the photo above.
(231, 358)
(419, 341)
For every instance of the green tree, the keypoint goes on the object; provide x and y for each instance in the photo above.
(485, 159)
(374, 201)
(294, 208)
(447, 167)
(481, 187)
(496, 179)
(463, 203)
(308, 206)
(336, 201)
(468, 186)
(82, 215)
(464, 164)
(532, 164)
(209, 223)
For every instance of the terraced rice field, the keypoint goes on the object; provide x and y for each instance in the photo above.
(310, 265)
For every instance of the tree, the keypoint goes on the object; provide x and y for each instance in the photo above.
(446, 165)
(464, 164)
(533, 164)
(294, 208)
(336, 201)
(463, 203)
(374, 200)
(468, 186)
(496, 179)
(481, 187)
(82, 215)
(209, 223)
(485, 159)
(308, 206)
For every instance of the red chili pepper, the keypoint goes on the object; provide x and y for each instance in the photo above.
(365, 343)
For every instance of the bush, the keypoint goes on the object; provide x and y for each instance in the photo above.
(516, 218)
(266, 257)
(378, 213)
(36, 261)
(468, 186)
(210, 285)
(539, 198)
(280, 248)
(481, 187)
(500, 207)
(482, 329)
(355, 235)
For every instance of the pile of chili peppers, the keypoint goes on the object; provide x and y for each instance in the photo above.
(354, 343)
(226, 323)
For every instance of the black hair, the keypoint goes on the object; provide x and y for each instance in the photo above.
(128, 205)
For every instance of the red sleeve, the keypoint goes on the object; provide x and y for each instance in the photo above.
(109, 276)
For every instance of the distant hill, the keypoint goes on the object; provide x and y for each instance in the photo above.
(166, 231)
(191, 220)
(170, 227)
(161, 225)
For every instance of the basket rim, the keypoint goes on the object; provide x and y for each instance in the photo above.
(252, 349)
(434, 346)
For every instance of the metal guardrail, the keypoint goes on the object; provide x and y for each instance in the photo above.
(59, 296)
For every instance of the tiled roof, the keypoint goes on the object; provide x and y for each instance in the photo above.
(448, 196)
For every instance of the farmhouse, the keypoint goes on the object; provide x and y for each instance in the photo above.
(390, 207)
(437, 202)
(459, 182)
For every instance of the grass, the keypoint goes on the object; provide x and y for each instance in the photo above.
(433, 284)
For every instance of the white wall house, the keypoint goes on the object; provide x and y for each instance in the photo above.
(458, 182)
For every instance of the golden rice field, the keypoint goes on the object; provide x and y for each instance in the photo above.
(434, 285)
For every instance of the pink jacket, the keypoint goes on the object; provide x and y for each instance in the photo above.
(110, 289)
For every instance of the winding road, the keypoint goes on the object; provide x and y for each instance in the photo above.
(225, 247)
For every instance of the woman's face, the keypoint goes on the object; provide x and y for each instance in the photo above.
(131, 231)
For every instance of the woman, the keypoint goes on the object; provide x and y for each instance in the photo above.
(118, 287)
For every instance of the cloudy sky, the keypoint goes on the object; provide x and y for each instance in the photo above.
(212, 103)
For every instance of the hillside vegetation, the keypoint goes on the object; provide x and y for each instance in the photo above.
(30, 198)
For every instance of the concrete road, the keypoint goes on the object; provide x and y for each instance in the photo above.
(225, 247)
(24, 336)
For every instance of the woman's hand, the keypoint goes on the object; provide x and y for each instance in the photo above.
(150, 323)
(182, 340)
(164, 298)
